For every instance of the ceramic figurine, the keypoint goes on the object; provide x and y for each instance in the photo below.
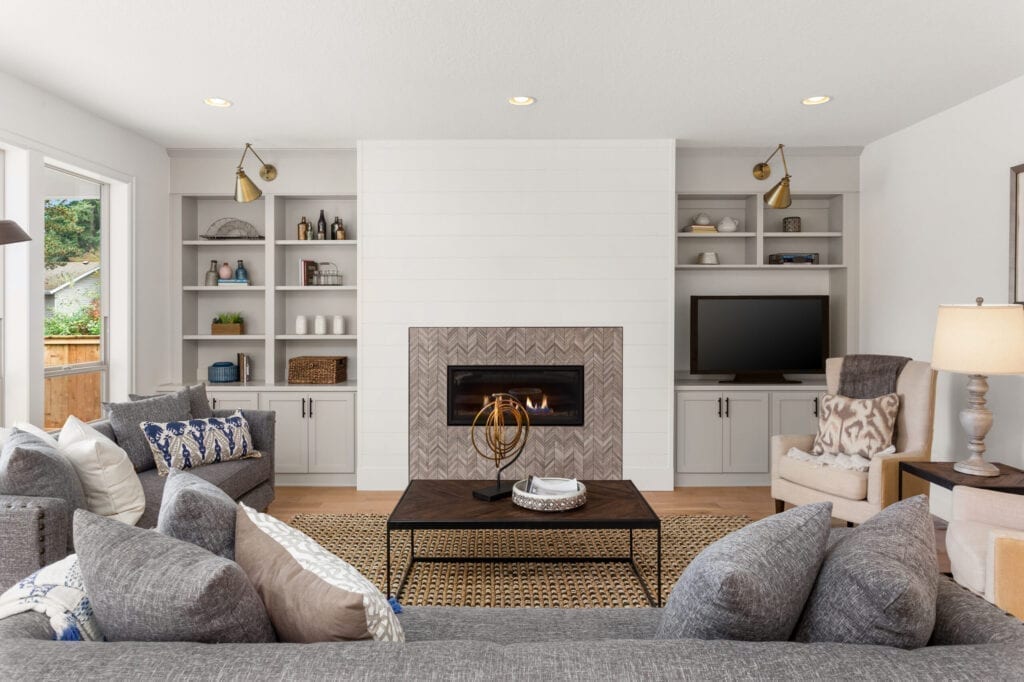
(728, 224)
(702, 219)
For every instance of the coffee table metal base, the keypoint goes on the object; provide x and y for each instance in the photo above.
(631, 560)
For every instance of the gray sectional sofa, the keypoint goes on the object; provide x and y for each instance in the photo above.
(972, 640)
(34, 531)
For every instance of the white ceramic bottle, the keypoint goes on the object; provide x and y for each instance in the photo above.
(320, 325)
(300, 325)
(338, 325)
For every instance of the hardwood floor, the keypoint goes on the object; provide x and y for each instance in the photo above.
(755, 502)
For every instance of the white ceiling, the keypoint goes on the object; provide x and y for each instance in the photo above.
(321, 73)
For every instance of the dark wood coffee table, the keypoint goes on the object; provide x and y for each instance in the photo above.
(436, 505)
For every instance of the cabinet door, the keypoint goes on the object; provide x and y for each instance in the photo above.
(233, 400)
(698, 432)
(332, 442)
(292, 433)
(795, 412)
(746, 432)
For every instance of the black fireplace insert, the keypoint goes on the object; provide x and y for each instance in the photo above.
(551, 394)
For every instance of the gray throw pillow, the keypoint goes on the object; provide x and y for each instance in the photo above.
(752, 584)
(196, 511)
(31, 467)
(147, 587)
(878, 583)
(198, 403)
(126, 418)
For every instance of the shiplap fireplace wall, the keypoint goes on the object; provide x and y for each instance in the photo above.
(516, 233)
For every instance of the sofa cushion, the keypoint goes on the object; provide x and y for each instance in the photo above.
(197, 442)
(967, 546)
(126, 420)
(33, 468)
(199, 512)
(109, 481)
(856, 426)
(878, 584)
(380, 619)
(303, 607)
(198, 403)
(147, 587)
(752, 584)
(847, 483)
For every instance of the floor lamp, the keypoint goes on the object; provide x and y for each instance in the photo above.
(11, 232)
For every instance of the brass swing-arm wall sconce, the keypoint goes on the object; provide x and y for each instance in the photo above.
(778, 196)
(245, 189)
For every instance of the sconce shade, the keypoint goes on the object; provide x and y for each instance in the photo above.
(778, 196)
(11, 232)
(245, 189)
(979, 339)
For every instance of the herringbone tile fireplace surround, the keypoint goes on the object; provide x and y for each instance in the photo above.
(591, 451)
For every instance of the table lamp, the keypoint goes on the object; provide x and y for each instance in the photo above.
(978, 340)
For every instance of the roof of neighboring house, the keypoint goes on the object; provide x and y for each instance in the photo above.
(65, 275)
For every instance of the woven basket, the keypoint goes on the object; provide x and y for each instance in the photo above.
(323, 369)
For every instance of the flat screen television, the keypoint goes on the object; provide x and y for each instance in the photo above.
(758, 338)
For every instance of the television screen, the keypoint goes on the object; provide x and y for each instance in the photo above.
(758, 335)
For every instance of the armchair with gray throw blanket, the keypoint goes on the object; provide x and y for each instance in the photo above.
(856, 496)
(36, 531)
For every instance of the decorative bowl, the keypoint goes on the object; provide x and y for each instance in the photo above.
(548, 503)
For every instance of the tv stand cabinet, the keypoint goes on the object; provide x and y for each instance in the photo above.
(722, 430)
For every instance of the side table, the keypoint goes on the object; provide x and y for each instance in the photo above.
(1009, 480)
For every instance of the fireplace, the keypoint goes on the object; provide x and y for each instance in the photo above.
(552, 394)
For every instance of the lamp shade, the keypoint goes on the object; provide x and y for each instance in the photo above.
(778, 196)
(979, 339)
(11, 232)
(245, 189)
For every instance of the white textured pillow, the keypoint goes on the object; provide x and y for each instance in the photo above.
(380, 618)
(111, 486)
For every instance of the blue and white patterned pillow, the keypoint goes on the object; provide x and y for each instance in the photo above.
(196, 442)
(57, 591)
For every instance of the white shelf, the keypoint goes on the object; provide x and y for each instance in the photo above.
(317, 242)
(797, 235)
(315, 337)
(224, 242)
(224, 337)
(225, 290)
(714, 235)
(261, 385)
(787, 268)
(315, 288)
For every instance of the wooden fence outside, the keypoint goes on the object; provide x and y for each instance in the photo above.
(77, 394)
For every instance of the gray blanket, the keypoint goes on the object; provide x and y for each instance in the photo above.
(869, 376)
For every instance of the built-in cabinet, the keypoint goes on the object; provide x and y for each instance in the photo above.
(722, 436)
(233, 400)
(315, 431)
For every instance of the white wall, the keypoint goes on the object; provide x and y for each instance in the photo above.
(530, 233)
(935, 229)
(53, 129)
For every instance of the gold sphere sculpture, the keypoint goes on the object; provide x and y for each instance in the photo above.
(506, 427)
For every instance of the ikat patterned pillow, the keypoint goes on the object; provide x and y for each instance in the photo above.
(855, 426)
(198, 442)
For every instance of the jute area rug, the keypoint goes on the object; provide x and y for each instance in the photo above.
(360, 540)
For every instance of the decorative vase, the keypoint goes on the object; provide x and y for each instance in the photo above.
(321, 226)
(303, 229)
(702, 219)
(338, 325)
(225, 271)
(728, 224)
(791, 224)
(241, 272)
(211, 275)
(300, 325)
(337, 229)
(320, 325)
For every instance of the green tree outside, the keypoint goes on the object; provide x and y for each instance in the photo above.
(72, 230)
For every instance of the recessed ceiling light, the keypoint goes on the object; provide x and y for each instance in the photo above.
(218, 102)
(817, 99)
(521, 101)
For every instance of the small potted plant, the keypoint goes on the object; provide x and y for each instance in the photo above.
(228, 323)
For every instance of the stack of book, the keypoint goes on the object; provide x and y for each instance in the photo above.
(703, 229)
(232, 282)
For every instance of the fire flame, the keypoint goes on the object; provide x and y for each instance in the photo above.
(543, 404)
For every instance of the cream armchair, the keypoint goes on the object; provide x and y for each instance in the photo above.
(856, 496)
(983, 543)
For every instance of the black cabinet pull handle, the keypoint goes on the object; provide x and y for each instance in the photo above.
(719, 408)
(726, 407)
(303, 408)
(215, 403)
(310, 408)
(815, 406)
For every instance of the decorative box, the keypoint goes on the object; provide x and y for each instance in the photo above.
(314, 369)
(218, 329)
